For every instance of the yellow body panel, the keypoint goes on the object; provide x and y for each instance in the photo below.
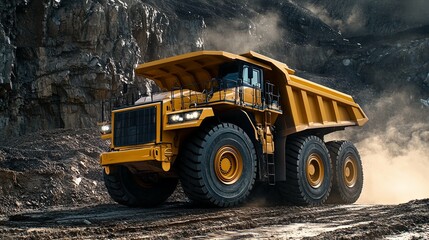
(106, 136)
(158, 152)
(191, 70)
(146, 153)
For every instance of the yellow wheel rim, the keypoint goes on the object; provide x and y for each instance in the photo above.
(315, 170)
(350, 172)
(228, 164)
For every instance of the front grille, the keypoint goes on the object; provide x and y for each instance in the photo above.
(135, 127)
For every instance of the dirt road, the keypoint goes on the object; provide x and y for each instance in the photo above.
(182, 220)
(51, 188)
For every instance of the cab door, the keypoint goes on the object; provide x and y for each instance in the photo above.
(252, 86)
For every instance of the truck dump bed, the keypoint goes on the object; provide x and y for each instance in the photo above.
(306, 105)
(310, 105)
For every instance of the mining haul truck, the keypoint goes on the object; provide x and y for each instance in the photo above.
(222, 122)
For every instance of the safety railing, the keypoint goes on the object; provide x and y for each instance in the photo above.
(226, 90)
(272, 101)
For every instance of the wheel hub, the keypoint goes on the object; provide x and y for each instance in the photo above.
(228, 164)
(315, 170)
(350, 172)
(225, 165)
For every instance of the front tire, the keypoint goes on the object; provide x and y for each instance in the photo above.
(348, 177)
(308, 171)
(135, 190)
(218, 166)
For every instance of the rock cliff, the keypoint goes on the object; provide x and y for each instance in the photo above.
(63, 57)
(60, 59)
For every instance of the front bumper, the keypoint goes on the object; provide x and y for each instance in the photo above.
(157, 152)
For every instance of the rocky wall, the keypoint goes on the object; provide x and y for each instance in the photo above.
(61, 59)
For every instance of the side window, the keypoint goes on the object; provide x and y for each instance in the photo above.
(256, 80)
(246, 79)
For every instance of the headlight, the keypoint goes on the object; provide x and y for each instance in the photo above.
(192, 115)
(105, 129)
(175, 118)
(183, 117)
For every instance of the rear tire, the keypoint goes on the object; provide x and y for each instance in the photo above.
(348, 176)
(308, 171)
(218, 166)
(133, 190)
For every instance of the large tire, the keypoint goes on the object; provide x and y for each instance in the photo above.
(134, 190)
(308, 171)
(218, 166)
(348, 174)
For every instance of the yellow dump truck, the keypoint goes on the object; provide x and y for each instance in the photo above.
(222, 122)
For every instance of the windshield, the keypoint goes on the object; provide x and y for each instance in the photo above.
(229, 74)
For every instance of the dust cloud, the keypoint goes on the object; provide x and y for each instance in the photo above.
(357, 16)
(240, 37)
(394, 150)
(391, 179)
(352, 23)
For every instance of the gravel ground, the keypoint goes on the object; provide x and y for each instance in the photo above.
(52, 188)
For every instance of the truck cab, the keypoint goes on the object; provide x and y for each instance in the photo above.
(240, 74)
